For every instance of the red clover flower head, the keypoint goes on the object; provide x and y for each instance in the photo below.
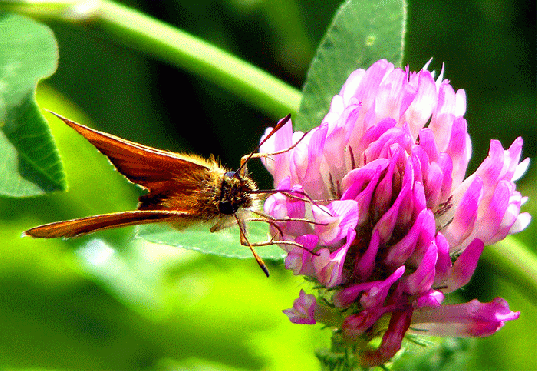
(397, 224)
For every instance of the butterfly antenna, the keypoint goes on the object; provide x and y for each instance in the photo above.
(278, 126)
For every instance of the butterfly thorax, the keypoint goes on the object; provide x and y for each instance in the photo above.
(204, 195)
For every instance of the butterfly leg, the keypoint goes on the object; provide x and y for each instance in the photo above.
(245, 242)
(273, 222)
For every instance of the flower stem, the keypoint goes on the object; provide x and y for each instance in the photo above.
(516, 264)
(141, 32)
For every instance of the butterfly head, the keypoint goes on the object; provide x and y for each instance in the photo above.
(235, 193)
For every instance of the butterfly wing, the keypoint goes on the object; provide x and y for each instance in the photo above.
(82, 226)
(173, 180)
(143, 165)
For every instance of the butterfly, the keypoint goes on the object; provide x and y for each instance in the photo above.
(182, 190)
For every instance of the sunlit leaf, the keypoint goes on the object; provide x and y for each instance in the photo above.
(29, 161)
(361, 33)
(223, 243)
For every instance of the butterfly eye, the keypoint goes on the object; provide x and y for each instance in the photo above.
(227, 208)
(230, 174)
(234, 174)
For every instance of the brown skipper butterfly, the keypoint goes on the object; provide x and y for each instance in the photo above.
(181, 190)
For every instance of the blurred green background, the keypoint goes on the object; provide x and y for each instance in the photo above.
(81, 305)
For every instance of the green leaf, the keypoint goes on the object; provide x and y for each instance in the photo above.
(29, 161)
(438, 354)
(362, 32)
(225, 242)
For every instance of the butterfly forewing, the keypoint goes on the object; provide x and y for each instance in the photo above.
(81, 226)
(174, 181)
(143, 165)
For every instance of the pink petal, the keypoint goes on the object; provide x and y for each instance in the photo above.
(303, 311)
(305, 161)
(463, 320)
(464, 266)
(355, 325)
(459, 149)
(300, 260)
(421, 233)
(365, 265)
(360, 179)
(443, 263)
(278, 165)
(522, 221)
(375, 291)
(423, 104)
(387, 223)
(375, 296)
(332, 228)
(465, 216)
(422, 279)
(432, 298)
(391, 341)
(329, 268)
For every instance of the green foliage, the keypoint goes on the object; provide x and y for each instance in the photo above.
(29, 163)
